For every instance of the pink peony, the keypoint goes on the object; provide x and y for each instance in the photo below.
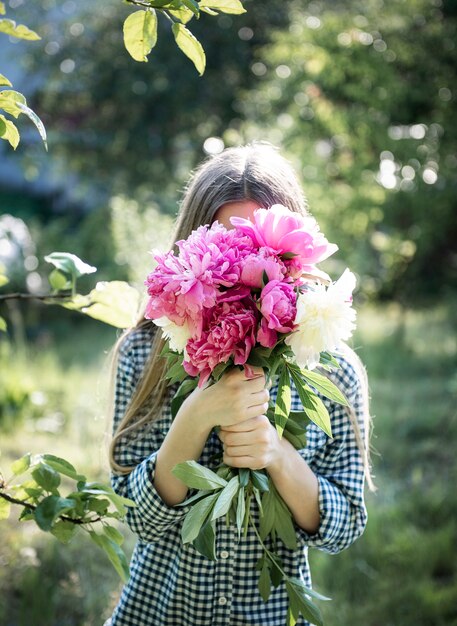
(264, 260)
(182, 286)
(228, 332)
(278, 305)
(288, 233)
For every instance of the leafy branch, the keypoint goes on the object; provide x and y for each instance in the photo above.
(86, 504)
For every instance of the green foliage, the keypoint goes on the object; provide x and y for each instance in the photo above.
(140, 28)
(86, 504)
(12, 102)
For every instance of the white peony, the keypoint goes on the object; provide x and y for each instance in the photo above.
(324, 317)
(178, 336)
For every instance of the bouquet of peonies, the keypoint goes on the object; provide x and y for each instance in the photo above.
(252, 296)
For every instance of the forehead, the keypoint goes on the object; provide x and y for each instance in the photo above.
(239, 208)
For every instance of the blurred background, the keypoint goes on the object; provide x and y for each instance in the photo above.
(360, 96)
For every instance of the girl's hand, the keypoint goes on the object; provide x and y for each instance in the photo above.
(231, 401)
(254, 444)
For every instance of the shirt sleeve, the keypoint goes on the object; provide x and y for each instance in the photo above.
(339, 468)
(151, 517)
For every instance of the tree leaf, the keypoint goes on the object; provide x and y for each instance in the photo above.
(9, 27)
(69, 264)
(186, 387)
(283, 401)
(224, 6)
(5, 508)
(64, 531)
(196, 517)
(140, 34)
(197, 476)
(313, 405)
(49, 510)
(5, 81)
(9, 133)
(36, 120)
(114, 553)
(190, 45)
(62, 466)
(224, 498)
(325, 386)
(46, 477)
(115, 303)
(58, 281)
(113, 534)
(21, 465)
(9, 101)
(3, 326)
(183, 14)
(2, 8)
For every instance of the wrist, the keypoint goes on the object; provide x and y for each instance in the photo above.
(280, 459)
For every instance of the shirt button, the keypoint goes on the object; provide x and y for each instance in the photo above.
(222, 600)
(224, 554)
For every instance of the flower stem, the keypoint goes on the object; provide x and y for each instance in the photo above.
(269, 553)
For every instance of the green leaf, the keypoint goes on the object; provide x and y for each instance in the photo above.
(5, 81)
(308, 591)
(325, 386)
(9, 133)
(10, 100)
(116, 303)
(114, 553)
(140, 34)
(224, 6)
(5, 508)
(264, 582)
(46, 477)
(21, 465)
(196, 517)
(186, 387)
(283, 523)
(182, 14)
(300, 604)
(244, 475)
(197, 476)
(58, 281)
(36, 120)
(205, 543)
(9, 27)
(192, 6)
(49, 510)
(3, 326)
(260, 479)
(69, 264)
(328, 360)
(64, 531)
(313, 405)
(98, 505)
(267, 519)
(224, 498)
(62, 466)
(2, 8)
(283, 401)
(240, 510)
(119, 502)
(113, 534)
(190, 45)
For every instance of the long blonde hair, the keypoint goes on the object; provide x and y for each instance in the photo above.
(254, 172)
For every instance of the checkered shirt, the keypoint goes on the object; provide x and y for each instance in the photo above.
(173, 585)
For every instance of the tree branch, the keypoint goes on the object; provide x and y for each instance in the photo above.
(32, 507)
(31, 296)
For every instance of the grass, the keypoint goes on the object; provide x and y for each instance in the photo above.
(402, 572)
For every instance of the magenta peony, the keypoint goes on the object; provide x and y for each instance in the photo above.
(263, 260)
(181, 287)
(228, 332)
(278, 305)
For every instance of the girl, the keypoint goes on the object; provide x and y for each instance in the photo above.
(171, 584)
